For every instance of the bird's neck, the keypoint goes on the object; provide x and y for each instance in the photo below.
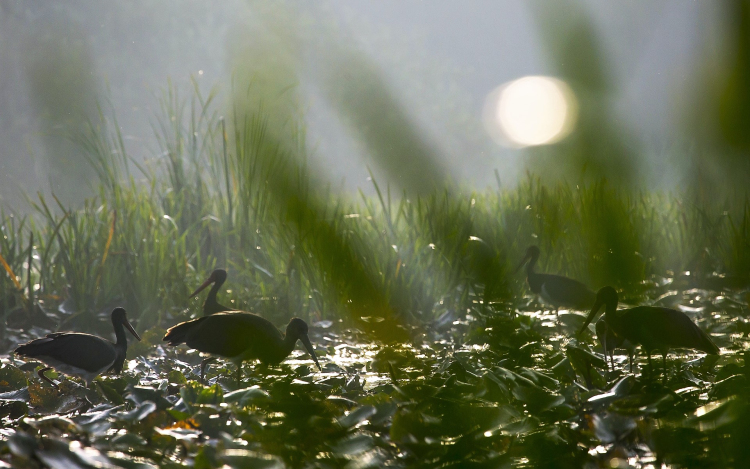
(610, 313)
(531, 265)
(122, 340)
(288, 344)
(211, 298)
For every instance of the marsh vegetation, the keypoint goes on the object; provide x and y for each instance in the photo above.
(433, 353)
(432, 350)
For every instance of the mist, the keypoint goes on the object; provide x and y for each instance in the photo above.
(343, 66)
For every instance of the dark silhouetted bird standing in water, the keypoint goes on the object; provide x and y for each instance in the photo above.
(83, 355)
(211, 305)
(555, 290)
(240, 336)
(653, 327)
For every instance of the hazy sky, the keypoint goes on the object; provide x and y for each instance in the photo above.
(470, 48)
(441, 59)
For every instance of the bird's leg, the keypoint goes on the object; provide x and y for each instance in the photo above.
(239, 374)
(630, 361)
(650, 365)
(606, 352)
(204, 363)
(41, 375)
(664, 366)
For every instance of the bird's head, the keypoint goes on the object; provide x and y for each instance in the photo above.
(297, 329)
(218, 276)
(606, 296)
(120, 317)
(532, 254)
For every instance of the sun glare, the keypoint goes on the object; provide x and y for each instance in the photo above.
(533, 110)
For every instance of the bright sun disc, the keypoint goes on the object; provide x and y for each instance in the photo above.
(533, 110)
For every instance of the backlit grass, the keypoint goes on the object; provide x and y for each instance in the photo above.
(456, 364)
(226, 194)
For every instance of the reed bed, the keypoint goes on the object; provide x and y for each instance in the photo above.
(230, 193)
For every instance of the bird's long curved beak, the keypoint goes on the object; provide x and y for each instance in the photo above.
(129, 327)
(591, 316)
(523, 261)
(208, 282)
(306, 342)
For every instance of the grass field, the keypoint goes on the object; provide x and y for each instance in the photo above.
(435, 355)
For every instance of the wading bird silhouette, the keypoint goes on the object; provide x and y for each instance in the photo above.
(652, 327)
(83, 355)
(211, 305)
(555, 290)
(240, 336)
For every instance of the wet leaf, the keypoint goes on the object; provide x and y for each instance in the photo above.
(54, 422)
(383, 412)
(720, 413)
(44, 396)
(521, 426)
(22, 444)
(141, 394)
(110, 393)
(96, 416)
(139, 413)
(342, 401)
(540, 379)
(123, 460)
(612, 427)
(620, 389)
(536, 398)
(240, 459)
(353, 445)
(417, 391)
(11, 378)
(176, 377)
(357, 416)
(247, 395)
(13, 409)
(731, 386)
(179, 433)
(18, 395)
(128, 440)
(59, 454)
(194, 393)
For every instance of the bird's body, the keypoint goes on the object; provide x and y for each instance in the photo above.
(654, 328)
(556, 290)
(661, 329)
(240, 336)
(82, 355)
(211, 305)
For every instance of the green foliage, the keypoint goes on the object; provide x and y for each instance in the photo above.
(229, 194)
(493, 379)
(502, 399)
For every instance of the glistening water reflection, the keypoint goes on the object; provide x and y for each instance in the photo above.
(505, 385)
